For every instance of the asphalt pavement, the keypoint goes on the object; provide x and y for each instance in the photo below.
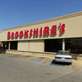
(32, 69)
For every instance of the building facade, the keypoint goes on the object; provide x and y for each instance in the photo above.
(63, 32)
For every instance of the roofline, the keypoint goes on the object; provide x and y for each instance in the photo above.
(49, 20)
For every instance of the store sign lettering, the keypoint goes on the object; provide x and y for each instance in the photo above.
(37, 32)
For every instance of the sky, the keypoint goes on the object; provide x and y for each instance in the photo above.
(21, 12)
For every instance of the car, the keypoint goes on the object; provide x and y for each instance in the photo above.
(63, 57)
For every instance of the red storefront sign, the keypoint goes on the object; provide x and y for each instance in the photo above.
(61, 29)
(37, 32)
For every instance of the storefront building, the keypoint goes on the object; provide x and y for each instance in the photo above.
(60, 33)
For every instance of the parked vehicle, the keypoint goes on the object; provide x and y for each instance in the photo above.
(63, 57)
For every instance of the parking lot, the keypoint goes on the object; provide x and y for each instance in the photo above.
(33, 69)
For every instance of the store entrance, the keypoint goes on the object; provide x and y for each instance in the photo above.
(13, 45)
(74, 45)
(5, 45)
(53, 45)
